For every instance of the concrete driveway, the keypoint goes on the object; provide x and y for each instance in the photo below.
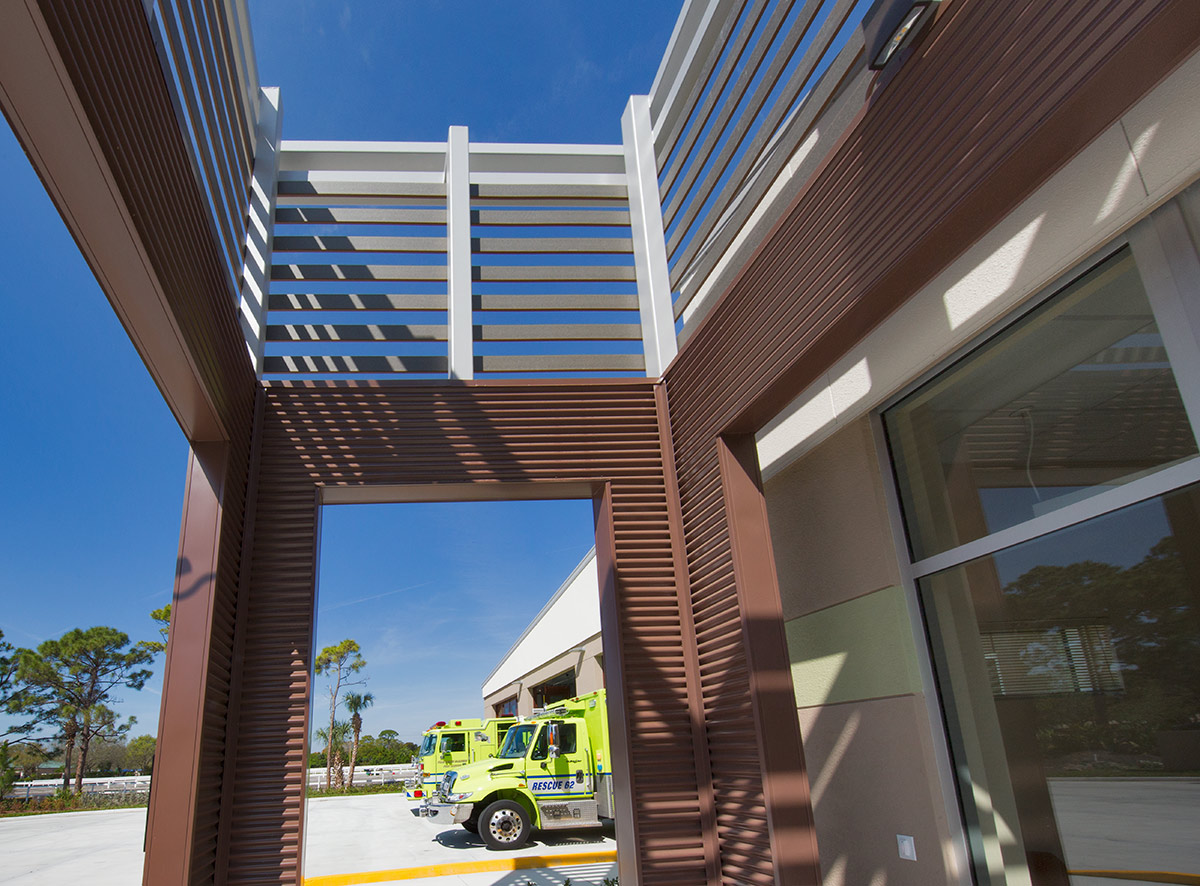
(345, 835)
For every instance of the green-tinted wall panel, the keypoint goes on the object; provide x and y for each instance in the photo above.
(855, 650)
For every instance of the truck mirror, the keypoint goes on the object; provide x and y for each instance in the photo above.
(553, 740)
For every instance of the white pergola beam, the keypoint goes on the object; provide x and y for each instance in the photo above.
(649, 243)
(458, 254)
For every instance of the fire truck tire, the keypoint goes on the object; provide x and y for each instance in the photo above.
(504, 825)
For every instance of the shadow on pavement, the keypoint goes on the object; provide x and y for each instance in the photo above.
(461, 838)
(578, 875)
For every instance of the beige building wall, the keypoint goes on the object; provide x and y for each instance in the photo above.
(586, 662)
(563, 638)
(863, 714)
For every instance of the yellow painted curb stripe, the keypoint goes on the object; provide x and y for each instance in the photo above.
(518, 863)
(1143, 876)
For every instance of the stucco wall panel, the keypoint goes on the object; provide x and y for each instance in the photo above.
(870, 782)
(829, 525)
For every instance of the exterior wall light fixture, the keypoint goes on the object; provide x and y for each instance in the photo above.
(893, 24)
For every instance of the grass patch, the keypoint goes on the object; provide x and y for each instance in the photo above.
(358, 789)
(65, 801)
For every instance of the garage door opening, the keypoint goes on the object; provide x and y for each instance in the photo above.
(443, 631)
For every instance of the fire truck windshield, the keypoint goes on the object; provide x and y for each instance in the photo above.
(516, 741)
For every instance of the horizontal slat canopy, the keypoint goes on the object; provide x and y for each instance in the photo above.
(358, 272)
(572, 302)
(354, 215)
(345, 301)
(547, 230)
(311, 332)
(369, 364)
(330, 243)
(738, 93)
(552, 245)
(559, 363)
(551, 217)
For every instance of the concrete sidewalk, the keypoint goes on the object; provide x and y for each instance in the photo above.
(375, 838)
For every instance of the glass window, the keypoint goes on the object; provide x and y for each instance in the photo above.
(506, 708)
(1073, 399)
(516, 741)
(453, 742)
(555, 689)
(1070, 668)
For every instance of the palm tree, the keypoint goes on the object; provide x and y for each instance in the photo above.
(334, 739)
(355, 704)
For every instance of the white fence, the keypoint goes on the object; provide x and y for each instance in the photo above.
(395, 773)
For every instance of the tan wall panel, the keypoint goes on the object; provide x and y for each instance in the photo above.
(870, 782)
(829, 524)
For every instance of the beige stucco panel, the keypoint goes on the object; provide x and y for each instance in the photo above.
(871, 781)
(829, 527)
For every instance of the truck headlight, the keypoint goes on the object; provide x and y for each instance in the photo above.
(458, 798)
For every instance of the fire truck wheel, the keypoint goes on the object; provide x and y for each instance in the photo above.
(504, 825)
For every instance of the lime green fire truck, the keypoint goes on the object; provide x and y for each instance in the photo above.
(552, 771)
(450, 744)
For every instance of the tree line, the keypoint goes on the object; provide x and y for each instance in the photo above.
(61, 695)
(344, 744)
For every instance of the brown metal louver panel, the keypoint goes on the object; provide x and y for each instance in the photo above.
(107, 63)
(1005, 94)
(342, 436)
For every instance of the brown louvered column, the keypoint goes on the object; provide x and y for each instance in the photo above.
(621, 744)
(345, 442)
(185, 789)
(773, 702)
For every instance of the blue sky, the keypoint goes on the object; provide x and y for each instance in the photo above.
(94, 462)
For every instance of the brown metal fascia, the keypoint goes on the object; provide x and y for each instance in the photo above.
(174, 788)
(691, 656)
(42, 106)
(629, 865)
(233, 719)
(784, 775)
(1131, 68)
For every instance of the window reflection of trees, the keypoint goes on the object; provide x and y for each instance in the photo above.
(1150, 610)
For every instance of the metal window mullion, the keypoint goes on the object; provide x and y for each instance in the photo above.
(935, 712)
(1131, 493)
(1170, 272)
(649, 244)
(459, 328)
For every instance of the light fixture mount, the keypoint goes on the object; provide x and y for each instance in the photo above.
(890, 25)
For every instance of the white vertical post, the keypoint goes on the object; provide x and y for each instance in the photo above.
(649, 243)
(459, 327)
(260, 227)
